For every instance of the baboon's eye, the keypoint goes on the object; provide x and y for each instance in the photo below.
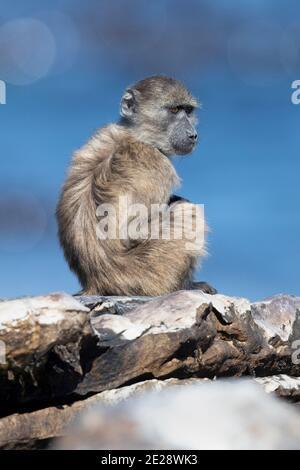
(189, 110)
(174, 109)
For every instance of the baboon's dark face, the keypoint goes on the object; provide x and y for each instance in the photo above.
(161, 112)
(180, 131)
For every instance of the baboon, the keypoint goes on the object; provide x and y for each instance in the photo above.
(132, 159)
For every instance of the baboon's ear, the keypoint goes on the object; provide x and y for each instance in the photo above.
(128, 103)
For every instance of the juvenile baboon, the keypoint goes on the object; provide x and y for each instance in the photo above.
(131, 159)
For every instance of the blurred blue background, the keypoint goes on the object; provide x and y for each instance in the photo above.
(66, 64)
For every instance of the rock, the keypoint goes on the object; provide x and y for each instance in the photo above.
(60, 349)
(186, 334)
(55, 350)
(35, 429)
(29, 430)
(42, 338)
(283, 385)
(224, 414)
(276, 316)
(115, 304)
(29, 327)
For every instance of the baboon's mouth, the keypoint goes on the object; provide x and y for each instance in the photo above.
(185, 149)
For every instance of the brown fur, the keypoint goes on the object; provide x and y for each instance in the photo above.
(113, 163)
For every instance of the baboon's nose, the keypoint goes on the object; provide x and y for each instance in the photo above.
(192, 135)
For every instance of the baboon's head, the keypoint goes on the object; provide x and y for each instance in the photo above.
(160, 111)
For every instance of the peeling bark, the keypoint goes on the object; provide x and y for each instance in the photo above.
(60, 349)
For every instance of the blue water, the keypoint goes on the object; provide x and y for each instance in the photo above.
(245, 170)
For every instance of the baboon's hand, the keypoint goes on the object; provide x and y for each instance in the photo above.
(205, 287)
(174, 198)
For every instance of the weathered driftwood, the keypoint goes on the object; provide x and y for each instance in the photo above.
(41, 341)
(221, 414)
(283, 386)
(33, 428)
(56, 350)
(194, 334)
(59, 349)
